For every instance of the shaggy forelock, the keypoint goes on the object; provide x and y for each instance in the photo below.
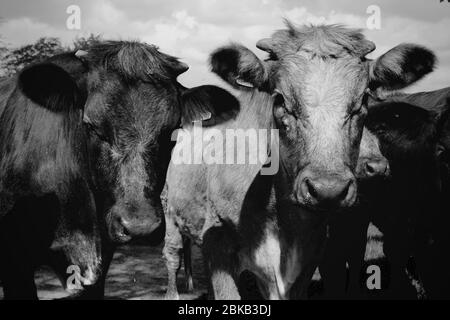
(133, 60)
(322, 40)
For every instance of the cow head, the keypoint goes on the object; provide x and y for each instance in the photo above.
(371, 162)
(319, 78)
(134, 103)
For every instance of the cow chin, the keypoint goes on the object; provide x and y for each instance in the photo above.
(83, 256)
(124, 225)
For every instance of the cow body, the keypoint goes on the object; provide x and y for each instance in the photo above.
(408, 207)
(45, 191)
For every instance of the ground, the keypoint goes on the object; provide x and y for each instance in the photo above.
(138, 272)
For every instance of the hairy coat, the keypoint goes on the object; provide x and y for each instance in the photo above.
(132, 104)
(45, 195)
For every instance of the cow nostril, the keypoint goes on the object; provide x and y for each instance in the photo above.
(123, 227)
(311, 189)
(345, 192)
(370, 169)
(125, 231)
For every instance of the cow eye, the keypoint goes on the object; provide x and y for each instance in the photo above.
(279, 100)
(94, 131)
(280, 112)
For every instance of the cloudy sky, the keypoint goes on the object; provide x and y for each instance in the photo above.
(191, 29)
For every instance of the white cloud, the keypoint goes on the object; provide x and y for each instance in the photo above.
(192, 29)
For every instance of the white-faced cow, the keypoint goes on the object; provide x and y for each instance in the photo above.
(45, 195)
(313, 88)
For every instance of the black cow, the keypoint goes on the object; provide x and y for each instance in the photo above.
(45, 195)
(409, 207)
(134, 103)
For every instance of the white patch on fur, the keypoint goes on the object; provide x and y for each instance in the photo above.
(267, 264)
(292, 268)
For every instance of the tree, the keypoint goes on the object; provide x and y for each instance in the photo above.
(84, 43)
(15, 59)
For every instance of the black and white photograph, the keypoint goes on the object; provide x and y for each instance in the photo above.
(199, 150)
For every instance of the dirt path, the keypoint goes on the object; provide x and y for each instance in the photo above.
(137, 272)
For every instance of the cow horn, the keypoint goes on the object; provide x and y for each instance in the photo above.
(243, 83)
(81, 53)
(369, 47)
(181, 68)
(265, 45)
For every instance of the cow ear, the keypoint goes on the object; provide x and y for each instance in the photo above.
(50, 86)
(401, 67)
(209, 104)
(239, 67)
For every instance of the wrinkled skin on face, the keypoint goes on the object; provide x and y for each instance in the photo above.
(320, 81)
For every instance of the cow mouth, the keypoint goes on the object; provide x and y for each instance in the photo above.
(306, 208)
(122, 230)
(122, 236)
(117, 232)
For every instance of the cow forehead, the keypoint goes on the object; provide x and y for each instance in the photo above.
(136, 113)
(321, 82)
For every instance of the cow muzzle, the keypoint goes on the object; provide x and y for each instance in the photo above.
(123, 226)
(326, 192)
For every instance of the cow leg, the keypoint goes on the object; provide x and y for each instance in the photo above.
(396, 248)
(187, 258)
(18, 281)
(221, 257)
(432, 261)
(17, 274)
(356, 245)
(333, 269)
(16, 269)
(172, 251)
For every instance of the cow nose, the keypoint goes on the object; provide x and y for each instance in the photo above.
(120, 231)
(328, 193)
(137, 227)
(376, 168)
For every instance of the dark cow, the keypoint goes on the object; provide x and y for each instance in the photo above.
(134, 102)
(410, 208)
(45, 196)
(313, 88)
